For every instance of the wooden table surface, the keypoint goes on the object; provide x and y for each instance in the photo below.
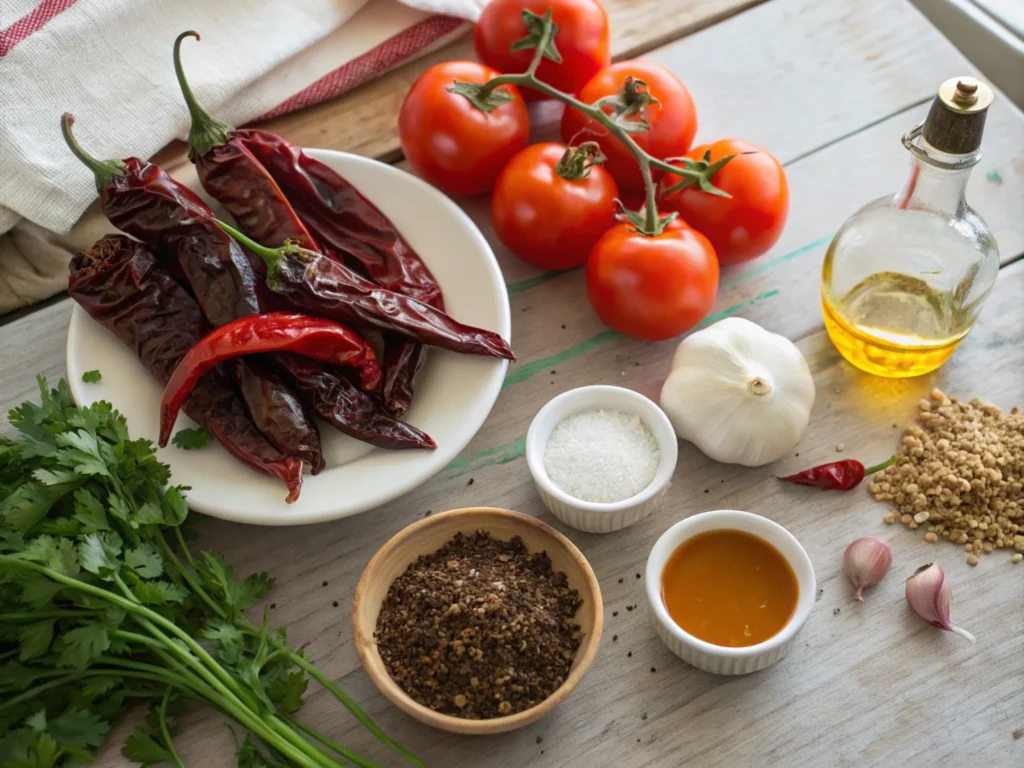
(829, 88)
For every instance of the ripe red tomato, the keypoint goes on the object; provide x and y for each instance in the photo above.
(582, 40)
(673, 120)
(546, 220)
(746, 225)
(451, 143)
(652, 287)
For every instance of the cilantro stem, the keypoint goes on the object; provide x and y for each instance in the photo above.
(332, 744)
(37, 615)
(354, 708)
(186, 573)
(162, 714)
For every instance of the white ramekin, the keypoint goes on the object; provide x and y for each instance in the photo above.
(586, 515)
(716, 658)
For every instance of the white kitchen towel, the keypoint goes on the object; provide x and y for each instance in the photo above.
(109, 63)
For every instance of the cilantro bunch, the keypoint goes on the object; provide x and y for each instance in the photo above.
(102, 605)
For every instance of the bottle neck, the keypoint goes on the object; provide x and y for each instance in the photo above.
(935, 189)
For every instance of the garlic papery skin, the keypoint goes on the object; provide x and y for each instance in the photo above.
(741, 394)
(866, 561)
(929, 594)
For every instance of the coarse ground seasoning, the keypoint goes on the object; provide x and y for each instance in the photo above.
(479, 629)
(960, 473)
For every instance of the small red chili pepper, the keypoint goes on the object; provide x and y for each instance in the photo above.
(323, 340)
(837, 475)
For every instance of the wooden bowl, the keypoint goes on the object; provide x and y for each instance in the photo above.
(428, 535)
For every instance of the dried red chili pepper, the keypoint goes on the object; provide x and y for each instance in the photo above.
(321, 286)
(119, 284)
(340, 402)
(141, 199)
(276, 192)
(837, 475)
(322, 340)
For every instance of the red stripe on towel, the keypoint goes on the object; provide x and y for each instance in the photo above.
(392, 51)
(31, 22)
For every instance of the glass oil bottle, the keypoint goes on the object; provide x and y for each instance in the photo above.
(905, 276)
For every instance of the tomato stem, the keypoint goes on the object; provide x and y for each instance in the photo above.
(695, 171)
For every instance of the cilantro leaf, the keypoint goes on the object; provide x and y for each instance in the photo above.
(35, 639)
(191, 439)
(143, 748)
(145, 561)
(26, 748)
(82, 644)
(287, 689)
(159, 592)
(38, 591)
(240, 595)
(99, 553)
(63, 559)
(91, 377)
(89, 512)
(78, 729)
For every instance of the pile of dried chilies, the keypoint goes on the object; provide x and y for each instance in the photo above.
(269, 370)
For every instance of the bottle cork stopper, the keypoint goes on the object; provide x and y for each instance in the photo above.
(956, 120)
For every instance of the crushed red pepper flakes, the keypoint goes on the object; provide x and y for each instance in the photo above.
(479, 629)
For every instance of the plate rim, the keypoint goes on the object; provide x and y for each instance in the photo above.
(488, 394)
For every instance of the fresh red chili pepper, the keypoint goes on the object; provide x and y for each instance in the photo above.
(837, 475)
(276, 193)
(119, 284)
(141, 199)
(322, 340)
(321, 286)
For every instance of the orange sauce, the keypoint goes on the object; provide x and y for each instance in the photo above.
(729, 588)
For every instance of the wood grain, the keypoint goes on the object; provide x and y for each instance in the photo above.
(867, 684)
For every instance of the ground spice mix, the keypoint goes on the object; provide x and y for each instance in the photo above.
(479, 629)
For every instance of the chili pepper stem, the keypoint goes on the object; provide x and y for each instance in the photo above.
(879, 467)
(207, 131)
(103, 170)
(698, 173)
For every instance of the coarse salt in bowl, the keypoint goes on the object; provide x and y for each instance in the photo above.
(608, 403)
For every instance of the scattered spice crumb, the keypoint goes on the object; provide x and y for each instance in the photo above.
(615, 613)
(972, 560)
(889, 519)
(629, 655)
(820, 593)
(706, 491)
(835, 612)
(797, 455)
(643, 715)
(273, 605)
(894, 426)
(1015, 559)
(840, 447)
(620, 581)
(638, 575)
(324, 584)
(429, 513)
(931, 537)
(552, 372)
(629, 607)
(335, 603)
(563, 326)
(723, 479)
(470, 481)
(1018, 734)
(615, 638)
(541, 738)
(653, 670)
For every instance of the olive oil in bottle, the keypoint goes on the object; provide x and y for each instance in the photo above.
(904, 278)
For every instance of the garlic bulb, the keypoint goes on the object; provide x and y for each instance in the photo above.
(741, 394)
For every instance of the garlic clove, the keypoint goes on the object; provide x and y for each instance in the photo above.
(930, 594)
(866, 561)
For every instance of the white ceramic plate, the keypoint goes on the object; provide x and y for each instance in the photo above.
(454, 393)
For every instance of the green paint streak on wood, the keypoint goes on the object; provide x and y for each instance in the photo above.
(502, 454)
(760, 269)
(525, 285)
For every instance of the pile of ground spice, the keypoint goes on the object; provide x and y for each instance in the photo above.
(479, 629)
(960, 473)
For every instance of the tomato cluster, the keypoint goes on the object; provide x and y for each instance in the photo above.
(554, 205)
